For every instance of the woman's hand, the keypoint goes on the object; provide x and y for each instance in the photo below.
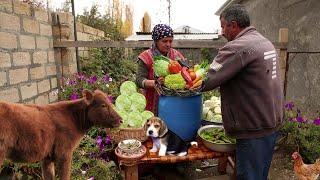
(160, 80)
(149, 83)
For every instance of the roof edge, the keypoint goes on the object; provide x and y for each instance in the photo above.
(225, 6)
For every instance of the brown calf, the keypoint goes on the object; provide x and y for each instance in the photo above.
(50, 133)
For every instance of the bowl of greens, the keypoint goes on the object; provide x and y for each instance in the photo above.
(214, 138)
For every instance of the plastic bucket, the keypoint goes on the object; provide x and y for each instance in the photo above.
(181, 114)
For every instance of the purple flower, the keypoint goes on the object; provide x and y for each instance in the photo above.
(74, 96)
(100, 143)
(299, 116)
(81, 76)
(300, 119)
(108, 139)
(70, 82)
(92, 79)
(289, 106)
(105, 157)
(106, 79)
(316, 121)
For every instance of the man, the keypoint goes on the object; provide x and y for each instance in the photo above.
(247, 71)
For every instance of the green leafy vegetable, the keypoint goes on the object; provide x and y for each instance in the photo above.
(217, 136)
(174, 81)
(123, 102)
(128, 88)
(138, 102)
(161, 68)
(147, 114)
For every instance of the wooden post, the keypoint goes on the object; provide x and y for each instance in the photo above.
(131, 172)
(283, 38)
(222, 164)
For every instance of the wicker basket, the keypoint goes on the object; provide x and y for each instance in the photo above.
(162, 90)
(127, 133)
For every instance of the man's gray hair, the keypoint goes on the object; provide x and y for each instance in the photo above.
(238, 13)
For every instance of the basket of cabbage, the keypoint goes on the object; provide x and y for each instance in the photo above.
(176, 78)
(130, 105)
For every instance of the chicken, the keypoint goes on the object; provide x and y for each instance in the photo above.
(305, 171)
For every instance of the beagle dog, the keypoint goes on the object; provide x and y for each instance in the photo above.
(163, 139)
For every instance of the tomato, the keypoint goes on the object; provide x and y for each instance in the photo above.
(192, 75)
(174, 67)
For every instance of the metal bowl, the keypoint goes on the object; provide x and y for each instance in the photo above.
(205, 122)
(213, 146)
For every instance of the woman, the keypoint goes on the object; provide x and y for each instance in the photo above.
(162, 36)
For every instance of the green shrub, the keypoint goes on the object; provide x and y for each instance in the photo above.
(74, 85)
(302, 134)
(109, 61)
(92, 157)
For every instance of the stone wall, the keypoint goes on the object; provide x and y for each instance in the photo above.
(301, 17)
(27, 65)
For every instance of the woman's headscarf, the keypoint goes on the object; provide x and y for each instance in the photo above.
(161, 31)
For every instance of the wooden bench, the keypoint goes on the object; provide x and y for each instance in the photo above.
(199, 152)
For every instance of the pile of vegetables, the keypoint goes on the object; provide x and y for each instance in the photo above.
(217, 136)
(211, 110)
(179, 77)
(131, 105)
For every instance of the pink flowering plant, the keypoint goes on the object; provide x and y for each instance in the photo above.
(74, 85)
(302, 133)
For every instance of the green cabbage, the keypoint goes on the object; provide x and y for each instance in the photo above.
(147, 114)
(138, 102)
(161, 68)
(135, 119)
(175, 81)
(128, 88)
(217, 118)
(123, 102)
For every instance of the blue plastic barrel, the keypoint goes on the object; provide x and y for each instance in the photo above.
(181, 114)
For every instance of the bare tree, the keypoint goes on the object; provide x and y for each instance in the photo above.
(128, 23)
(145, 24)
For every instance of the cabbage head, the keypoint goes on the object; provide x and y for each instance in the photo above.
(147, 114)
(128, 88)
(123, 102)
(175, 81)
(217, 118)
(135, 119)
(138, 102)
(161, 68)
(210, 115)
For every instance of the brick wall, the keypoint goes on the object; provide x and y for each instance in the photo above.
(27, 66)
(30, 68)
(87, 33)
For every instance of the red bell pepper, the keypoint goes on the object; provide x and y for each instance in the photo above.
(174, 67)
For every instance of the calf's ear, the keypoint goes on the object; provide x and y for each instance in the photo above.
(88, 96)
